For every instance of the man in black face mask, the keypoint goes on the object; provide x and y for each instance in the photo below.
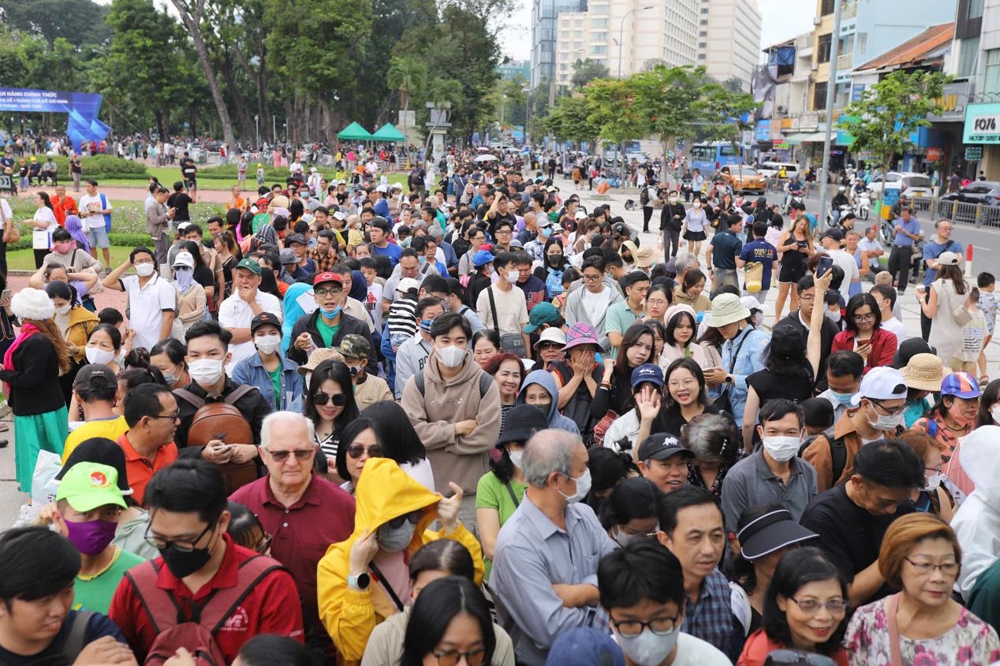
(239, 593)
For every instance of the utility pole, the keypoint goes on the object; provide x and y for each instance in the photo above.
(831, 92)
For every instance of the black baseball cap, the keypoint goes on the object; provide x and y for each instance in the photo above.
(262, 319)
(661, 446)
(771, 532)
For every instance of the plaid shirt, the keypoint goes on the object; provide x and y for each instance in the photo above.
(323, 262)
(711, 617)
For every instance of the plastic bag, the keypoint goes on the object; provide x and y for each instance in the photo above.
(43, 487)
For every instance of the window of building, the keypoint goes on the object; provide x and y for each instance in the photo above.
(563, 67)
(577, 45)
(827, 7)
(599, 10)
(599, 36)
(578, 34)
(701, 56)
(598, 49)
(823, 52)
(992, 84)
(862, 42)
(976, 8)
(967, 56)
(703, 33)
(703, 22)
(819, 96)
(704, 10)
(599, 23)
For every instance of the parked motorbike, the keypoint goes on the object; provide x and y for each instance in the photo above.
(863, 206)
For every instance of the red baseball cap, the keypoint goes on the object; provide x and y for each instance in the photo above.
(327, 276)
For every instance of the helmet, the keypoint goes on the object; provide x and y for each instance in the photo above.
(842, 189)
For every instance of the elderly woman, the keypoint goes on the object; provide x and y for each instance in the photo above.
(717, 446)
(922, 624)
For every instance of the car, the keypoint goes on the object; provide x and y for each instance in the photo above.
(914, 185)
(771, 169)
(983, 192)
(743, 179)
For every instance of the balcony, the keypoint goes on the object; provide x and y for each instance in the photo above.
(849, 10)
(845, 63)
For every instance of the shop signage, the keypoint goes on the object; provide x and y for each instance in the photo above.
(973, 153)
(982, 123)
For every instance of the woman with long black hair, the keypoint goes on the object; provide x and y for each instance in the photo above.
(551, 271)
(43, 223)
(330, 405)
(450, 620)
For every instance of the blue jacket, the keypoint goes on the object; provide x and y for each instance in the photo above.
(545, 379)
(251, 371)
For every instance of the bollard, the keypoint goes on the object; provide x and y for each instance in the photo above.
(968, 261)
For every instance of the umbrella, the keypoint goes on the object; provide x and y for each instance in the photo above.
(486, 158)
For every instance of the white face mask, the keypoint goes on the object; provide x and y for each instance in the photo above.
(515, 457)
(648, 649)
(933, 481)
(268, 343)
(63, 309)
(451, 356)
(696, 204)
(673, 200)
(995, 413)
(782, 449)
(885, 423)
(582, 487)
(206, 371)
(98, 355)
(833, 315)
(144, 270)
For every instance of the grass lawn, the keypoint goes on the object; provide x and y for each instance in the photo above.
(24, 260)
(171, 174)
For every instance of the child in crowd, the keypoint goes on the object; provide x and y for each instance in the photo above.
(989, 305)
(973, 335)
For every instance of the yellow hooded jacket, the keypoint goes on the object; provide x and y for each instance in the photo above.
(384, 492)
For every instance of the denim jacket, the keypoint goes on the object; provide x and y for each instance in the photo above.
(251, 371)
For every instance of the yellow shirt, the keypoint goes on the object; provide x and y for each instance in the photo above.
(109, 428)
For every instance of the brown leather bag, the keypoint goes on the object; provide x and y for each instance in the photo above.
(222, 421)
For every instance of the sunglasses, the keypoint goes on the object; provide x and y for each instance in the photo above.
(357, 450)
(413, 517)
(321, 399)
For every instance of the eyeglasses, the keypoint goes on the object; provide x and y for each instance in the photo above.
(864, 317)
(300, 454)
(182, 545)
(661, 626)
(687, 383)
(474, 657)
(544, 346)
(338, 399)
(925, 568)
(888, 412)
(790, 657)
(808, 298)
(170, 417)
(413, 517)
(811, 605)
(357, 450)
(323, 293)
(591, 278)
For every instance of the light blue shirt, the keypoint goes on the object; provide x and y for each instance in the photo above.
(532, 554)
(749, 361)
(911, 227)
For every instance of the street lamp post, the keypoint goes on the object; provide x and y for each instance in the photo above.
(831, 91)
(621, 35)
(256, 124)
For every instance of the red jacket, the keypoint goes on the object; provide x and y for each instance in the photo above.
(758, 646)
(884, 345)
(271, 608)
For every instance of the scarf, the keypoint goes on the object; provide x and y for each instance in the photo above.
(75, 228)
(27, 330)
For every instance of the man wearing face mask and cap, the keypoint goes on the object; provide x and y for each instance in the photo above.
(455, 408)
(277, 377)
(368, 388)
(151, 300)
(544, 576)
(877, 413)
(363, 580)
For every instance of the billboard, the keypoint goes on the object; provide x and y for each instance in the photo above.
(982, 123)
(82, 108)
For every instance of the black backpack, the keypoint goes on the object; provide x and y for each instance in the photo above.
(838, 452)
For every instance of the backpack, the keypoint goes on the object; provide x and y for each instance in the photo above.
(175, 629)
(484, 383)
(838, 452)
(221, 421)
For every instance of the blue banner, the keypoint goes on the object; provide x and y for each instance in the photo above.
(82, 108)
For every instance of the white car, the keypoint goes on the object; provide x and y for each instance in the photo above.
(771, 169)
(913, 185)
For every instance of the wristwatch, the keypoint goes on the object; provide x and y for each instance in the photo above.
(359, 582)
(729, 379)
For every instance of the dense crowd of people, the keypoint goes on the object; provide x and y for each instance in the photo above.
(467, 421)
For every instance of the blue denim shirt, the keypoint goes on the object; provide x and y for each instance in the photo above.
(251, 371)
(749, 361)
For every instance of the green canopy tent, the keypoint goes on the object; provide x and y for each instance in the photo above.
(388, 133)
(354, 132)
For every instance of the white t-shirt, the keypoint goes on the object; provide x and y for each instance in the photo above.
(236, 313)
(94, 219)
(512, 310)
(895, 327)
(5, 212)
(595, 305)
(41, 239)
(866, 245)
(849, 265)
(146, 306)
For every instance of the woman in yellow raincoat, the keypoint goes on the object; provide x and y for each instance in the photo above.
(365, 579)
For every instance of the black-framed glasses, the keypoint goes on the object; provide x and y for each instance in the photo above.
(300, 454)
(925, 568)
(170, 417)
(812, 605)
(591, 278)
(888, 412)
(413, 517)
(357, 450)
(864, 317)
(474, 657)
(183, 545)
(790, 657)
(323, 293)
(338, 399)
(661, 626)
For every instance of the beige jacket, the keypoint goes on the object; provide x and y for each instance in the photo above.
(459, 458)
(385, 646)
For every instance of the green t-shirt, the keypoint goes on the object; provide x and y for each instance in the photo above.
(618, 319)
(491, 494)
(275, 376)
(328, 333)
(94, 593)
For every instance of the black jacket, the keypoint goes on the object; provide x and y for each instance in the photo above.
(667, 220)
(254, 407)
(827, 333)
(34, 381)
(348, 324)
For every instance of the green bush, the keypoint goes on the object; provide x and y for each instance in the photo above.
(103, 166)
(129, 217)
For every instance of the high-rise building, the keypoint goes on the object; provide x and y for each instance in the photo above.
(544, 14)
(729, 39)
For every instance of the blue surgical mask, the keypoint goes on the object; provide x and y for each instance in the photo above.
(330, 314)
(425, 325)
(844, 398)
(547, 231)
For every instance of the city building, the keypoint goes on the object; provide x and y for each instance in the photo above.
(728, 43)
(976, 67)
(515, 69)
(544, 14)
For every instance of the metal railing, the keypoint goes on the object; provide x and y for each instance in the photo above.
(845, 63)
(849, 10)
(958, 213)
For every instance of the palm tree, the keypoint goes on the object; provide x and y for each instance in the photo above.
(407, 76)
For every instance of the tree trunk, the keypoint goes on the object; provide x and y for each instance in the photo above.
(328, 129)
(191, 15)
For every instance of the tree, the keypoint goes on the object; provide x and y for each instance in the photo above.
(890, 111)
(728, 115)
(585, 71)
(78, 21)
(406, 75)
(671, 98)
(569, 119)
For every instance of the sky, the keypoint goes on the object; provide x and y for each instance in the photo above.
(783, 19)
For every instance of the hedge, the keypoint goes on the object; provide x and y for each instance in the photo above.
(102, 166)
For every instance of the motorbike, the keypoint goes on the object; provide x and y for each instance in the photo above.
(833, 222)
(863, 206)
(793, 199)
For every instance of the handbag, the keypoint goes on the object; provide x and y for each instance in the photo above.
(724, 403)
(891, 607)
(601, 429)
(753, 278)
(509, 342)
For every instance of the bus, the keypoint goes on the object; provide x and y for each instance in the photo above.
(710, 157)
